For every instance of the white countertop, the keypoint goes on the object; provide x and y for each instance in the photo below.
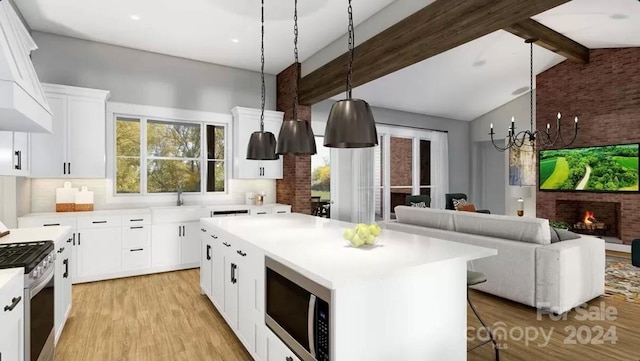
(314, 247)
(9, 273)
(56, 234)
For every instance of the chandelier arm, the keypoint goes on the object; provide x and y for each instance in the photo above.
(498, 148)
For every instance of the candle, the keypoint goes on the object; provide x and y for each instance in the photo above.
(548, 126)
(559, 115)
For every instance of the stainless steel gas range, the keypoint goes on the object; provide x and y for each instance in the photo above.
(37, 259)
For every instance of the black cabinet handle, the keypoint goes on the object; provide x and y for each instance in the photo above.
(184, 231)
(208, 252)
(61, 250)
(64, 168)
(280, 212)
(18, 154)
(226, 244)
(69, 168)
(136, 220)
(51, 224)
(234, 280)
(69, 240)
(136, 250)
(136, 227)
(99, 222)
(261, 213)
(214, 236)
(203, 230)
(14, 303)
(74, 239)
(243, 254)
(66, 268)
(289, 358)
(179, 231)
(78, 238)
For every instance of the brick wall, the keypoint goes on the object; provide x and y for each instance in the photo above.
(605, 95)
(295, 186)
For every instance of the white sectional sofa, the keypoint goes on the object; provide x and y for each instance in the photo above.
(528, 269)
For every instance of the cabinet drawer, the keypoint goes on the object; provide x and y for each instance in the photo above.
(260, 211)
(136, 219)
(28, 222)
(136, 236)
(281, 209)
(136, 258)
(98, 222)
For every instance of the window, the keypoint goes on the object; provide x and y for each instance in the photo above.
(160, 156)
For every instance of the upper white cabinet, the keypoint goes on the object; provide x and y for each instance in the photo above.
(77, 147)
(245, 122)
(23, 106)
(14, 153)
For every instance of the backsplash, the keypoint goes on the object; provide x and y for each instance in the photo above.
(43, 194)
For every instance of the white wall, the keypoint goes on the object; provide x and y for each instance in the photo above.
(479, 132)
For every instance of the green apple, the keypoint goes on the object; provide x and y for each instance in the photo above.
(356, 241)
(348, 234)
(363, 232)
(375, 229)
(371, 239)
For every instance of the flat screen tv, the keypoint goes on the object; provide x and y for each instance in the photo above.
(612, 168)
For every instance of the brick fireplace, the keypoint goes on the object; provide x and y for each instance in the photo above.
(604, 217)
(605, 95)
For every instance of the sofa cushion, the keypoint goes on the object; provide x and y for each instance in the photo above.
(531, 230)
(425, 217)
(469, 207)
(559, 235)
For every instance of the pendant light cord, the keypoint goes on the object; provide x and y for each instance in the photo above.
(352, 41)
(531, 84)
(295, 63)
(262, 71)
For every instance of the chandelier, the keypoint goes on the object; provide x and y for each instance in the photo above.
(530, 137)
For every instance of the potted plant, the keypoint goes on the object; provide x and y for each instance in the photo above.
(560, 224)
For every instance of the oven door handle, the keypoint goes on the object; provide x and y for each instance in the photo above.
(311, 325)
(34, 290)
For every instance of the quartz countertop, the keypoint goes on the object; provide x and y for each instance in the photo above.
(315, 248)
(56, 234)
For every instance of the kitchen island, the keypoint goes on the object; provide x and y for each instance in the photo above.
(401, 299)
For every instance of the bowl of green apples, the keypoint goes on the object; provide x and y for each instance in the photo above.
(362, 235)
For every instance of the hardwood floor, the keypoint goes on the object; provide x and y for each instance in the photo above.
(164, 317)
(157, 317)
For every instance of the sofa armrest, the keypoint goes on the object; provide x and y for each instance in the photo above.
(569, 273)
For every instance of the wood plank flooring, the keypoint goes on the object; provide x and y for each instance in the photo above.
(164, 317)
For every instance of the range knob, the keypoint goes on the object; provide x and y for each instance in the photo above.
(36, 272)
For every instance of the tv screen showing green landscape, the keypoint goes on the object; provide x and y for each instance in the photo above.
(611, 168)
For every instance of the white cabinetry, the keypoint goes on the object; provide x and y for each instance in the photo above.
(206, 261)
(176, 244)
(12, 318)
(136, 242)
(245, 122)
(23, 106)
(76, 148)
(14, 154)
(277, 350)
(99, 247)
(62, 281)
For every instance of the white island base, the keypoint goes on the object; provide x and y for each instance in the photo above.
(402, 299)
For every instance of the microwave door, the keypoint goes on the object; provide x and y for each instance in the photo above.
(311, 324)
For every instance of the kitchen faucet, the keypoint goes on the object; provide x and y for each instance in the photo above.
(180, 200)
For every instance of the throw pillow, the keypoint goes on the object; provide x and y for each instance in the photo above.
(469, 207)
(559, 235)
(419, 205)
(458, 202)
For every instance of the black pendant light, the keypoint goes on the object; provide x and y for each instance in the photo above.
(262, 145)
(351, 123)
(296, 136)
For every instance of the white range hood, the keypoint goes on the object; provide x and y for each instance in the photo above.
(23, 106)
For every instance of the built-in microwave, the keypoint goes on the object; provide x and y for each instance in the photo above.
(298, 311)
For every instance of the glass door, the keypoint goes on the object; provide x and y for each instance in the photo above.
(400, 172)
(321, 180)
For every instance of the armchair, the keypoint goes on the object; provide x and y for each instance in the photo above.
(418, 199)
(449, 197)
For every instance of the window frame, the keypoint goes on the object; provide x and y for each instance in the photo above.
(202, 119)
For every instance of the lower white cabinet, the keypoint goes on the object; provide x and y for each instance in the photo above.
(166, 244)
(12, 318)
(277, 350)
(62, 281)
(231, 292)
(206, 262)
(99, 252)
(190, 243)
(134, 259)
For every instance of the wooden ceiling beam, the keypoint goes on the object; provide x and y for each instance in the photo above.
(436, 28)
(550, 39)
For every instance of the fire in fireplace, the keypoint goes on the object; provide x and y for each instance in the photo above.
(590, 224)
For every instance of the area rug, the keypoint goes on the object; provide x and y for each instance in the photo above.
(622, 280)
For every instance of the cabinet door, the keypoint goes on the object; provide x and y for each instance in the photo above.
(86, 144)
(218, 270)
(100, 251)
(231, 292)
(48, 151)
(190, 243)
(250, 317)
(21, 153)
(278, 351)
(12, 321)
(6, 153)
(59, 293)
(166, 244)
(206, 254)
(66, 254)
(75, 257)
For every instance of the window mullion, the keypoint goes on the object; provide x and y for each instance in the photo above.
(143, 156)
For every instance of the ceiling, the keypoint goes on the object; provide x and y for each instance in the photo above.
(202, 29)
(463, 83)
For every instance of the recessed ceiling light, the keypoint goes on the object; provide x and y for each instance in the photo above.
(134, 17)
(619, 16)
(235, 41)
(480, 63)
